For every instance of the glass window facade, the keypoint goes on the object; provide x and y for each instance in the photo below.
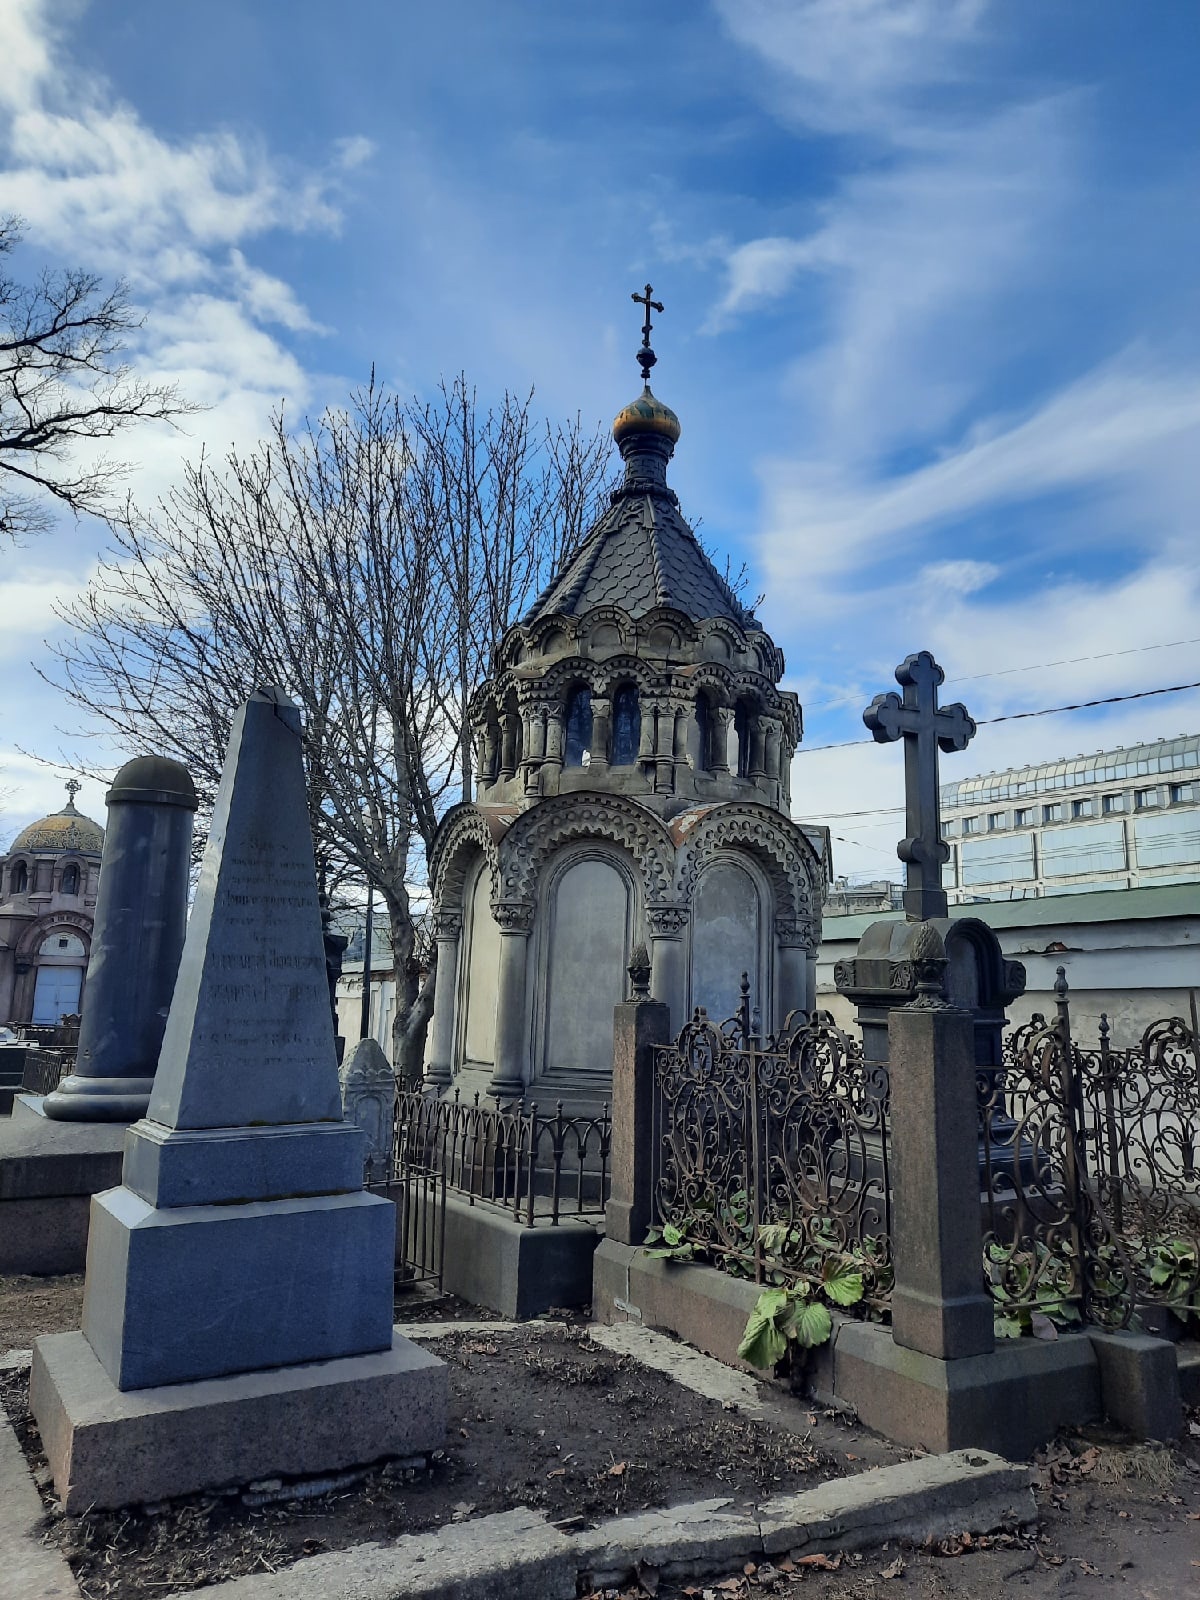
(1168, 839)
(1145, 799)
(1099, 847)
(1113, 803)
(996, 821)
(1105, 767)
(998, 860)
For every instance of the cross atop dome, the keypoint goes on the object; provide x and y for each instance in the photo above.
(645, 356)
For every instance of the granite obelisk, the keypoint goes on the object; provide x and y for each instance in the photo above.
(241, 1240)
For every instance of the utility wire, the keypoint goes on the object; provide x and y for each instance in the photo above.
(1040, 666)
(1018, 716)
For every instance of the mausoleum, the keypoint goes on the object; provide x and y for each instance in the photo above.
(48, 885)
(633, 756)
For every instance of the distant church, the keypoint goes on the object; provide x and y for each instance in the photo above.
(633, 752)
(48, 884)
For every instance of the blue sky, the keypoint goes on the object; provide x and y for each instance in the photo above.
(929, 268)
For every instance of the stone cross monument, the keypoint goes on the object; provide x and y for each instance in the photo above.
(925, 729)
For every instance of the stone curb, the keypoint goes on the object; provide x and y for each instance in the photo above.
(517, 1555)
(29, 1569)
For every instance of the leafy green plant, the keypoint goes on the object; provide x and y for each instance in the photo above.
(793, 1316)
(1033, 1290)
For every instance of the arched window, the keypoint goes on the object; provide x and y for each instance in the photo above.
(18, 878)
(70, 879)
(704, 733)
(741, 727)
(579, 727)
(626, 726)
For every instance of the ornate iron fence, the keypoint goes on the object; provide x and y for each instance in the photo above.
(541, 1168)
(45, 1070)
(1090, 1170)
(771, 1155)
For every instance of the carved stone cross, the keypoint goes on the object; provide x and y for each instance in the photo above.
(925, 729)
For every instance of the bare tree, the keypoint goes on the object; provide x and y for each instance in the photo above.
(62, 383)
(367, 562)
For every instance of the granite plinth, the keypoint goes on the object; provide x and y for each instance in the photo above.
(216, 1166)
(193, 1292)
(1010, 1400)
(109, 1448)
(48, 1174)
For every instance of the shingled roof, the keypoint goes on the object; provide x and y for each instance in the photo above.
(641, 554)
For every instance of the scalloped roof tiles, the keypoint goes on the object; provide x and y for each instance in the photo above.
(640, 555)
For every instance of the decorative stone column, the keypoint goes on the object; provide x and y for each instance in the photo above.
(447, 930)
(601, 731)
(664, 751)
(141, 920)
(793, 947)
(647, 740)
(668, 974)
(509, 739)
(757, 766)
(514, 918)
(553, 747)
(722, 722)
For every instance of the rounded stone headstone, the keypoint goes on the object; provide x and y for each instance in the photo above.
(137, 939)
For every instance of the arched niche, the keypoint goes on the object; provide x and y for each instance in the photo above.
(479, 965)
(729, 923)
(586, 924)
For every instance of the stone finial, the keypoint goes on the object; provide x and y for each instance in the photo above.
(927, 957)
(639, 973)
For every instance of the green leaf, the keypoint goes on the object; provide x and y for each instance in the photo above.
(843, 1287)
(1008, 1327)
(773, 1236)
(763, 1342)
(810, 1324)
(672, 1235)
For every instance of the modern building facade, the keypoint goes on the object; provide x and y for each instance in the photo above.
(1119, 819)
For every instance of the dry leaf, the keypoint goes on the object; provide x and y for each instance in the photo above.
(823, 1562)
(557, 1472)
(617, 1470)
(893, 1568)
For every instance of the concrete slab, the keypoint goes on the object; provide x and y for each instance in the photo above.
(111, 1448)
(29, 1569)
(493, 1261)
(517, 1554)
(700, 1373)
(1139, 1383)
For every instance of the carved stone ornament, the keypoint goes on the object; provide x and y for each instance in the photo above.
(513, 916)
(447, 924)
(639, 973)
(902, 977)
(791, 933)
(667, 922)
(774, 840)
(928, 956)
(536, 835)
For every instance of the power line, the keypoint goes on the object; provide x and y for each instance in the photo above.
(1018, 716)
(1039, 666)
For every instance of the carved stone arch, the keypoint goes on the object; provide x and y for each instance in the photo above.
(720, 639)
(668, 617)
(565, 674)
(606, 628)
(716, 679)
(30, 942)
(626, 668)
(464, 832)
(582, 815)
(780, 848)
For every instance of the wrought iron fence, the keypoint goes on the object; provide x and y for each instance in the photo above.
(771, 1155)
(1090, 1170)
(542, 1168)
(45, 1070)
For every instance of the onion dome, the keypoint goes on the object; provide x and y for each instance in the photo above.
(65, 830)
(645, 415)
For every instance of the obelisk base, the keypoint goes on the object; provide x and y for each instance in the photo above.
(193, 1292)
(109, 1448)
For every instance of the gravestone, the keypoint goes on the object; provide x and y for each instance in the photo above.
(137, 939)
(237, 1317)
(369, 1098)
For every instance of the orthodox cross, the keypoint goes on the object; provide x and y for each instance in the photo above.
(73, 789)
(646, 356)
(925, 729)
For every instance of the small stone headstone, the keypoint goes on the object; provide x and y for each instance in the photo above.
(369, 1097)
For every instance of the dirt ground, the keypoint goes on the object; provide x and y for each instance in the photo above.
(542, 1417)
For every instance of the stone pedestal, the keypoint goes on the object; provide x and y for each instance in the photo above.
(141, 919)
(638, 1025)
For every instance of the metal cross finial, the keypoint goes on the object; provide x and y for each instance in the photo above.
(646, 357)
(925, 729)
(73, 788)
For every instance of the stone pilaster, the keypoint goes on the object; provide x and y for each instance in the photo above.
(447, 928)
(668, 925)
(514, 918)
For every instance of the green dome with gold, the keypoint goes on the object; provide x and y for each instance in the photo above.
(646, 414)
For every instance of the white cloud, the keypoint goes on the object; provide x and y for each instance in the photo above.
(855, 64)
(957, 577)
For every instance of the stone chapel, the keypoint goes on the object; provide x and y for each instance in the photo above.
(633, 758)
